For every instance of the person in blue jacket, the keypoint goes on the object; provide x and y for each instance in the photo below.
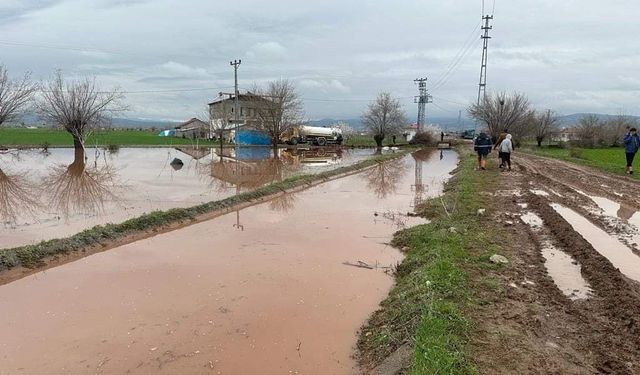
(631, 146)
(482, 146)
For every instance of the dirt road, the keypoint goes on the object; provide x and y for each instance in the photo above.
(570, 297)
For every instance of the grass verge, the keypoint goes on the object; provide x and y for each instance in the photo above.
(610, 159)
(34, 255)
(58, 137)
(426, 307)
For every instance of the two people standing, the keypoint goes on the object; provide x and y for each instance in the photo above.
(631, 146)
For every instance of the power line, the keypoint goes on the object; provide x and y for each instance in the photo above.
(459, 57)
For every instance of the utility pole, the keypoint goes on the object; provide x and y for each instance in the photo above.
(236, 115)
(482, 87)
(422, 99)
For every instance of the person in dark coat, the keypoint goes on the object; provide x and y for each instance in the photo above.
(441, 136)
(482, 146)
(631, 146)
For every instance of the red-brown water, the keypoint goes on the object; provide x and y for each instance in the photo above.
(261, 291)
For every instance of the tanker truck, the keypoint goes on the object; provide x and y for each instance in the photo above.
(314, 135)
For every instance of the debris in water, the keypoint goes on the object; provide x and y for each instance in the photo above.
(176, 164)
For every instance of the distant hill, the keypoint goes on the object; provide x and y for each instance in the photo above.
(117, 122)
(569, 120)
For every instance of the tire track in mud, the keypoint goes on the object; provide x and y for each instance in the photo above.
(611, 318)
(612, 314)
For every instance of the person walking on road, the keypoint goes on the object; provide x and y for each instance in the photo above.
(441, 136)
(631, 146)
(496, 145)
(482, 146)
(506, 148)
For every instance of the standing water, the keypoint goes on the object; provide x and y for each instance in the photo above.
(269, 289)
(63, 192)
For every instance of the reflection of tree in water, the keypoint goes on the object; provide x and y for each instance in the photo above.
(384, 178)
(283, 203)
(80, 189)
(17, 197)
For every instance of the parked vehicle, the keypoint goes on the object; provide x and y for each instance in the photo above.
(314, 134)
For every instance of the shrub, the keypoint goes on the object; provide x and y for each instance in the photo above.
(423, 138)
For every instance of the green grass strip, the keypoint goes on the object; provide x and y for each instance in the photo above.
(33, 255)
(426, 307)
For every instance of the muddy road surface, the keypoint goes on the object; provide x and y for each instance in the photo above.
(277, 288)
(571, 292)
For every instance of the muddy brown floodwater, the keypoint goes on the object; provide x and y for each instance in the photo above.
(261, 291)
(58, 194)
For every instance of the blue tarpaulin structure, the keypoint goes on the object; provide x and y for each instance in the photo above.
(252, 138)
(167, 133)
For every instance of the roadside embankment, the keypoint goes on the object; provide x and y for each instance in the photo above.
(426, 308)
(20, 261)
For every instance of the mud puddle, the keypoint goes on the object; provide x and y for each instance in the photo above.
(59, 193)
(608, 246)
(264, 290)
(562, 267)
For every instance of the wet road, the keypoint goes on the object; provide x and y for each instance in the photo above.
(264, 290)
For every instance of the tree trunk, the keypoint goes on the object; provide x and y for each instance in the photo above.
(378, 138)
(539, 139)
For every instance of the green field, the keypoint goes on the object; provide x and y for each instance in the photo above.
(55, 137)
(608, 159)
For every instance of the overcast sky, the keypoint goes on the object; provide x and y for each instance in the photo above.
(567, 55)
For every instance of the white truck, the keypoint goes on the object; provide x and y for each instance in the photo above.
(316, 135)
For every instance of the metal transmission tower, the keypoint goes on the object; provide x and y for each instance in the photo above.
(422, 101)
(482, 87)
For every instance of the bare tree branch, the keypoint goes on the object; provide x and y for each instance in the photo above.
(78, 106)
(15, 95)
(544, 124)
(502, 111)
(383, 117)
(278, 108)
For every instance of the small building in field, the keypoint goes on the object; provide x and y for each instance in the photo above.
(565, 135)
(409, 132)
(193, 129)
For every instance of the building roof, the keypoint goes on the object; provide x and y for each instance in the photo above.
(191, 124)
(241, 97)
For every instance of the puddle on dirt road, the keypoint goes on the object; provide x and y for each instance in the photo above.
(608, 246)
(563, 269)
(625, 218)
(62, 192)
(540, 192)
(260, 291)
(566, 273)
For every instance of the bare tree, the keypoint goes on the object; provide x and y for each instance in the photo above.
(544, 124)
(18, 197)
(278, 108)
(384, 117)
(78, 106)
(615, 128)
(383, 179)
(14, 94)
(589, 129)
(502, 111)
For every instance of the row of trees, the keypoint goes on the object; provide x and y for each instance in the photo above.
(513, 112)
(78, 106)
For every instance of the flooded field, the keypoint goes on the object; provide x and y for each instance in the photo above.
(277, 288)
(59, 193)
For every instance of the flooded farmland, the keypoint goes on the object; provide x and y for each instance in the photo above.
(280, 287)
(59, 193)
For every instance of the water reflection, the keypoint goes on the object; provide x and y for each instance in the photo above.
(18, 197)
(383, 179)
(78, 188)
